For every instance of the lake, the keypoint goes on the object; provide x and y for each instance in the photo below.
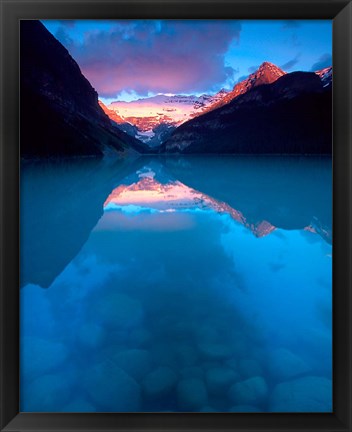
(173, 284)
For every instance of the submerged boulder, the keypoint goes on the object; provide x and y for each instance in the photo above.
(49, 393)
(90, 336)
(192, 372)
(219, 379)
(284, 365)
(250, 391)
(244, 409)
(159, 382)
(208, 409)
(119, 311)
(136, 362)
(139, 337)
(249, 367)
(309, 394)
(40, 356)
(112, 389)
(215, 350)
(191, 394)
(186, 355)
(79, 406)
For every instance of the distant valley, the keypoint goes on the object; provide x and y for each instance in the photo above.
(154, 120)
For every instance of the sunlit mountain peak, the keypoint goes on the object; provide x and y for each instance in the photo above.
(148, 193)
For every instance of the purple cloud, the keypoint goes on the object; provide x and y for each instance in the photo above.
(155, 56)
(241, 78)
(252, 69)
(324, 61)
(290, 64)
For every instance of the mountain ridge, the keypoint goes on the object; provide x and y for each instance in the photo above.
(156, 129)
(266, 73)
(60, 114)
(155, 118)
(291, 115)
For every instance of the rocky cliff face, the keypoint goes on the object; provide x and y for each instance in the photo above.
(291, 115)
(60, 114)
(153, 119)
(325, 75)
(267, 73)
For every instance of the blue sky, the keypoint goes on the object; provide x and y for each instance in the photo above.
(137, 58)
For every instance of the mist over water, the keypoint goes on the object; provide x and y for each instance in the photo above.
(198, 284)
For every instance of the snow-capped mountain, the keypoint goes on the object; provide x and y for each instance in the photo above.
(156, 117)
(152, 120)
(325, 75)
(153, 192)
(288, 116)
(267, 73)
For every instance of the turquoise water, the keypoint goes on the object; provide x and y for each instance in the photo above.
(199, 284)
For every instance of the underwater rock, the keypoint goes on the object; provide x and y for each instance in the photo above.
(139, 338)
(181, 330)
(211, 364)
(191, 394)
(192, 372)
(249, 368)
(219, 379)
(214, 350)
(40, 356)
(207, 409)
(186, 355)
(164, 355)
(159, 382)
(309, 394)
(78, 406)
(244, 408)
(206, 333)
(90, 335)
(111, 388)
(118, 337)
(284, 365)
(118, 310)
(135, 362)
(49, 393)
(249, 391)
(35, 299)
(232, 363)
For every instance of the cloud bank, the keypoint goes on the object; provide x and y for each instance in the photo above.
(323, 62)
(290, 64)
(155, 56)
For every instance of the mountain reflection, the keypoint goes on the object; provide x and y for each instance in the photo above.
(166, 195)
(178, 284)
(61, 202)
(289, 192)
(157, 190)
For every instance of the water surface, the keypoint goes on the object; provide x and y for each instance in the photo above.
(199, 284)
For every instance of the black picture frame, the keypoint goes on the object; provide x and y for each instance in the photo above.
(340, 11)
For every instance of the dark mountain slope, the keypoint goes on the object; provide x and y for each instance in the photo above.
(291, 115)
(267, 73)
(60, 114)
(56, 221)
(264, 188)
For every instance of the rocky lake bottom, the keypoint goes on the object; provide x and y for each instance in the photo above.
(193, 284)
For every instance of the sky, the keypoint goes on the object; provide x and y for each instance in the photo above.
(130, 59)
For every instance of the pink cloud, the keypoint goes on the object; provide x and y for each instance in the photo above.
(156, 56)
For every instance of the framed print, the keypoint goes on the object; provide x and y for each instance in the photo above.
(175, 219)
